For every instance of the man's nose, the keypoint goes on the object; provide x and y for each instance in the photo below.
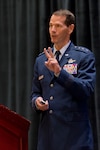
(53, 29)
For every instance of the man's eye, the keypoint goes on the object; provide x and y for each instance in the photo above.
(55, 26)
(50, 25)
(58, 26)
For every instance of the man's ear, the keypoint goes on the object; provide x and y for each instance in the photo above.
(71, 28)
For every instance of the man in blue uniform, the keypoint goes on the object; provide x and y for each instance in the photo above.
(61, 89)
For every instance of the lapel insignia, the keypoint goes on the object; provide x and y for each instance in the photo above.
(71, 60)
(70, 68)
(66, 54)
(41, 77)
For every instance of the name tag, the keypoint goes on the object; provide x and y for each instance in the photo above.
(41, 77)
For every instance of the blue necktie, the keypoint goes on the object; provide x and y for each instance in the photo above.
(57, 53)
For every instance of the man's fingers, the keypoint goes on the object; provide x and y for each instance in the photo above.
(48, 53)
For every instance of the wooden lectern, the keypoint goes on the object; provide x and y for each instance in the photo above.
(13, 130)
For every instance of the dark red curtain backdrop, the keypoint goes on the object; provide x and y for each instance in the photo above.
(24, 34)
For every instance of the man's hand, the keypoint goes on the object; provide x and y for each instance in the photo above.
(41, 105)
(52, 64)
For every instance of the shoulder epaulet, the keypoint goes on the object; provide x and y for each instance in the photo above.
(82, 49)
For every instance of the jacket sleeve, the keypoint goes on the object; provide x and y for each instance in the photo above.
(81, 86)
(36, 88)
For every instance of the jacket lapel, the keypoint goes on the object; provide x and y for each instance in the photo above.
(64, 59)
(66, 56)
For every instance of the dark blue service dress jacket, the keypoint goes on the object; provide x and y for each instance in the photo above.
(65, 125)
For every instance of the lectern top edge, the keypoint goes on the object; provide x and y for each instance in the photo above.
(18, 120)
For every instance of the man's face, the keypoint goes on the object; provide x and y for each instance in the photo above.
(59, 32)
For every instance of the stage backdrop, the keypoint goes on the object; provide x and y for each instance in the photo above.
(24, 34)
